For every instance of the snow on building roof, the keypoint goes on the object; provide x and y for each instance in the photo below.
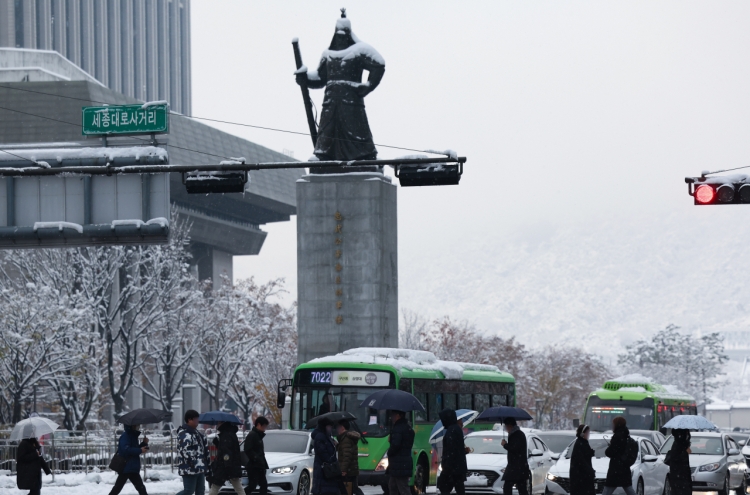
(405, 359)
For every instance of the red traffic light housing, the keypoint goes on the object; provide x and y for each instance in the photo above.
(720, 190)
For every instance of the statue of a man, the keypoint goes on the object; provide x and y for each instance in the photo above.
(343, 132)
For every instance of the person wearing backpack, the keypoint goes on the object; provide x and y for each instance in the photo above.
(620, 453)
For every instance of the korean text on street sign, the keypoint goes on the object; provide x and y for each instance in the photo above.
(126, 119)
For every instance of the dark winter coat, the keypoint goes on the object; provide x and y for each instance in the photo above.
(228, 463)
(678, 461)
(255, 450)
(518, 456)
(325, 451)
(454, 449)
(619, 473)
(28, 464)
(399, 450)
(130, 449)
(348, 451)
(582, 473)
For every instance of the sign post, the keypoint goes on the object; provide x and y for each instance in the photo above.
(126, 119)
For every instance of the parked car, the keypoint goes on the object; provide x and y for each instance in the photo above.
(649, 470)
(716, 463)
(488, 458)
(557, 440)
(290, 463)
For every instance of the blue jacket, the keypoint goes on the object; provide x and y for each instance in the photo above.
(325, 451)
(130, 449)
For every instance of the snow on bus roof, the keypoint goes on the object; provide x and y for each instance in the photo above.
(636, 382)
(405, 359)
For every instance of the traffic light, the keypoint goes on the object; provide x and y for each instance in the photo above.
(720, 190)
(215, 182)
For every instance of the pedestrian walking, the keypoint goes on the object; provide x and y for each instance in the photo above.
(517, 471)
(622, 453)
(400, 465)
(192, 449)
(678, 460)
(454, 455)
(131, 449)
(325, 453)
(256, 457)
(582, 473)
(348, 452)
(228, 463)
(30, 463)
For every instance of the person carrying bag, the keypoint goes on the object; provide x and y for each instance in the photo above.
(326, 469)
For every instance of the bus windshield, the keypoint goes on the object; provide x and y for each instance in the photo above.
(639, 414)
(311, 401)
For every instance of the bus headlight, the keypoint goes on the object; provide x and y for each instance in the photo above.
(383, 464)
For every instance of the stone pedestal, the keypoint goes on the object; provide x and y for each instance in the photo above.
(347, 263)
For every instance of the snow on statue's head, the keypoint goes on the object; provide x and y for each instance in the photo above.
(343, 38)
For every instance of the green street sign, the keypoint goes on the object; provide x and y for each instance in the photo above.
(126, 119)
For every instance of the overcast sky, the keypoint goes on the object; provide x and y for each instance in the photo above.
(568, 112)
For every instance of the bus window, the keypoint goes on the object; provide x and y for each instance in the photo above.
(499, 400)
(435, 402)
(481, 402)
(405, 385)
(449, 401)
(464, 401)
(419, 416)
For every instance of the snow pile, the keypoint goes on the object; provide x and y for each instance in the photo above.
(134, 222)
(155, 103)
(93, 478)
(632, 389)
(161, 221)
(58, 225)
(405, 359)
(449, 153)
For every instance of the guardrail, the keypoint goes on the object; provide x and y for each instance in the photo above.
(88, 451)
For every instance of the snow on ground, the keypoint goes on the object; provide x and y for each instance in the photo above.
(96, 484)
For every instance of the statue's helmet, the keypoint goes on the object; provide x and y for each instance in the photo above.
(343, 37)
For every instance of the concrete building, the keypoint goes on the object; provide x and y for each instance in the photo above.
(140, 48)
(735, 414)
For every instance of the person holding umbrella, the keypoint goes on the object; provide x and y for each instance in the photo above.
(228, 463)
(29, 462)
(582, 473)
(348, 452)
(454, 455)
(678, 460)
(325, 453)
(129, 448)
(517, 471)
(400, 465)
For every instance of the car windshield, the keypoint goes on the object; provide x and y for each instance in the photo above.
(556, 441)
(699, 445)
(598, 444)
(285, 442)
(638, 414)
(485, 444)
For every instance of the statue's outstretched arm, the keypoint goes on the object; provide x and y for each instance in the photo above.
(318, 79)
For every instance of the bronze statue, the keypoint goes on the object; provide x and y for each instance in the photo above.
(343, 132)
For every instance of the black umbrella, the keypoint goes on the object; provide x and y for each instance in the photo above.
(333, 417)
(501, 412)
(395, 400)
(144, 416)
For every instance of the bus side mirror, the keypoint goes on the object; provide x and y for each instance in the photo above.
(280, 399)
(281, 392)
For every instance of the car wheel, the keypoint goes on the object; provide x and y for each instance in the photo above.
(725, 491)
(420, 480)
(303, 486)
(667, 487)
(742, 489)
(639, 490)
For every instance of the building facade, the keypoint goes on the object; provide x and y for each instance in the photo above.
(140, 48)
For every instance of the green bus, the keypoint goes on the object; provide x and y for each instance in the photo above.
(644, 404)
(343, 381)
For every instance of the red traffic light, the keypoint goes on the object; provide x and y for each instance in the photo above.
(704, 194)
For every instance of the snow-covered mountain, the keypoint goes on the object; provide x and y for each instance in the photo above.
(600, 285)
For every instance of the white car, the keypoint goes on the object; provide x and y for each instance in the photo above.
(290, 463)
(487, 461)
(649, 471)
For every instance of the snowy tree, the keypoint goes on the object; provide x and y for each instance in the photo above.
(174, 336)
(34, 323)
(556, 383)
(412, 330)
(689, 363)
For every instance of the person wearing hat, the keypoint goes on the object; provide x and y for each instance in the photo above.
(131, 449)
(582, 473)
(517, 471)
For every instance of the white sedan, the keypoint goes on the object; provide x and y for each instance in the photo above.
(649, 471)
(290, 463)
(487, 461)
